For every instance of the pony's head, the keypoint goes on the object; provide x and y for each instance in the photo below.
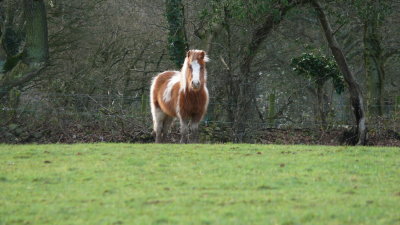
(194, 69)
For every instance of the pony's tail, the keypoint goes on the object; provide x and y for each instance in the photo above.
(152, 103)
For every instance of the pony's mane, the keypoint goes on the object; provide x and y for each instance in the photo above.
(183, 75)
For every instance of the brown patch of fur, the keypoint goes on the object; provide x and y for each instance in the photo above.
(193, 104)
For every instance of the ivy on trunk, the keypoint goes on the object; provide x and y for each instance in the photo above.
(177, 35)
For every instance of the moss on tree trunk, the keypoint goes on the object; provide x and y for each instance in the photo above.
(35, 31)
(27, 64)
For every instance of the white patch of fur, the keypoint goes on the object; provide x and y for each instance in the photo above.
(196, 71)
(172, 81)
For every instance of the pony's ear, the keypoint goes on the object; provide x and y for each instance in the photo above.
(188, 53)
(202, 54)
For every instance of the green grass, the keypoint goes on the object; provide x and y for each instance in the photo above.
(198, 184)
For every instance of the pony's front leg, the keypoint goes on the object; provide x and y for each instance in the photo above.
(184, 131)
(158, 132)
(194, 132)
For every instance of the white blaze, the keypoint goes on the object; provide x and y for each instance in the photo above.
(196, 71)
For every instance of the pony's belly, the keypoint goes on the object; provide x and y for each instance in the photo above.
(168, 108)
(191, 112)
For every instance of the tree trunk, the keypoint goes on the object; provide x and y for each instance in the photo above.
(271, 109)
(374, 66)
(29, 64)
(246, 82)
(321, 108)
(356, 97)
(177, 34)
(36, 32)
(397, 105)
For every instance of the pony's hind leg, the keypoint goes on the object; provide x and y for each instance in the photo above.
(158, 122)
(166, 126)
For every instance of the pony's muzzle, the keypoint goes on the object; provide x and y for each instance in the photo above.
(196, 84)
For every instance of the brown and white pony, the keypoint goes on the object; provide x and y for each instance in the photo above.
(182, 94)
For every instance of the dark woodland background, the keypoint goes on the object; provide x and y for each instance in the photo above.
(281, 71)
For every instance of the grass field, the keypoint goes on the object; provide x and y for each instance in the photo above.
(198, 184)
